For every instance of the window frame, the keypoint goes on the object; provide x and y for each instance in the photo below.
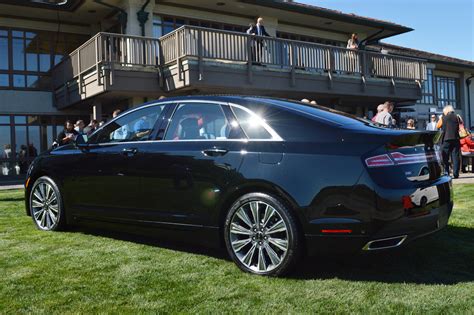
(154, 130)
(228, 114)
(10, 72)
(448, 83)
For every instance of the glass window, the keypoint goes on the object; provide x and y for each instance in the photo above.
(446, 91)
(20, 139)
(18, 54)
(4, 53)
(5, 144)
(251, 123)
(4, 119)
(20, 119)
(194, 121)
(19, 80)
(4, 80)
(427, 89)
(32, 62)
(32, 81)
(157, 31)
(135, 126)
(33, 52)
(17, 33)
(34, 144)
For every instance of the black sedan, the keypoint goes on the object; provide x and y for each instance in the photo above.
(269, 179)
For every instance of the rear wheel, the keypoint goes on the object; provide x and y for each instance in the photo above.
(261, 235)
(46, 206)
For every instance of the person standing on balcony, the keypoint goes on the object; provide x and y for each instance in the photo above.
(353, 42)
(257, 45)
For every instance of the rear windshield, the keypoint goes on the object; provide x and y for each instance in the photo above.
(323, 113)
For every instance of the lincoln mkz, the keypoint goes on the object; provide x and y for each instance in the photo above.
(268, 179)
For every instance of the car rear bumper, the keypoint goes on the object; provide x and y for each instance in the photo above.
(393, 234)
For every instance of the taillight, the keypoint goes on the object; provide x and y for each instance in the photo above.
(379, 161)
(398, 158)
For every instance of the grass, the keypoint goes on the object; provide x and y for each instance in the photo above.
(86, 271)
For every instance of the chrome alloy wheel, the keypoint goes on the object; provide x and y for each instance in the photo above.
(259, 236)
(44, 206)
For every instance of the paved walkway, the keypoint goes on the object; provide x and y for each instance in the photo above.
(6, 187)
(467, 178)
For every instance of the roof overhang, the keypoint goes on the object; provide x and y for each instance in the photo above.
(386, 29)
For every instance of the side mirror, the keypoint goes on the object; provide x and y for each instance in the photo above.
(81, 139)
(81, 142)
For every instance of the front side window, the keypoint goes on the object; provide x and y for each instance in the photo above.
(201, 121)
(134, 126)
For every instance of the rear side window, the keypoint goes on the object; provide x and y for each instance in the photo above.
(291, 125)
(201, 121)
(252, 124)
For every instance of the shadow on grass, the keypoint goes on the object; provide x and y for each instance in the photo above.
(12, 199)
(443, 258)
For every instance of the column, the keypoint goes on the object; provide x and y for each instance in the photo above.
(132, 7)
(97, 110)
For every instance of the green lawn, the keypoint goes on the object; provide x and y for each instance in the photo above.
(84, 271)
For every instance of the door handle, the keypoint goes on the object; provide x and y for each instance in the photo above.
(215, 152)
(129, 151)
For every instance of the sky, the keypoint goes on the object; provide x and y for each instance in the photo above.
(444, 27)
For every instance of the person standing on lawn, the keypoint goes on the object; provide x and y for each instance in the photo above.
(449, 124)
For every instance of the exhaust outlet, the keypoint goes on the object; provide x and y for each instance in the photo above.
(385, 243)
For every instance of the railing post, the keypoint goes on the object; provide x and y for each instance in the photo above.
(422, 72)
(97, 66)
(363, 66)
(79, 70)
(293, 64)
(332, 62)
(200, 65)
(249, 59)
(178, 65)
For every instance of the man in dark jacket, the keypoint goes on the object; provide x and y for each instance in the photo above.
(451, 145)
(257, 45)
(68, 135)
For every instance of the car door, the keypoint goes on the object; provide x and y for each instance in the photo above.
(185, 174)
(106, 180)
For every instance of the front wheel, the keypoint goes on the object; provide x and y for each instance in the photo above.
(261, 235)
(46, 205)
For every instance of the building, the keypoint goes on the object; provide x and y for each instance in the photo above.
(78, 59)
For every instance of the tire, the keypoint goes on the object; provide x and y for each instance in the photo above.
(423, 201)
(271, 247)
(46, 206)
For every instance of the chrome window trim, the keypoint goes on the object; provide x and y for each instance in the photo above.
(275, 136)
(188, 140)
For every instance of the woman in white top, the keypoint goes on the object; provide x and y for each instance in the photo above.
(353, 42)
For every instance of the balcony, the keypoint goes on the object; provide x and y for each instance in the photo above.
(192, 59)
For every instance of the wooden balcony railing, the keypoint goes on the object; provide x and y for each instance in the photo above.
(105, 50)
